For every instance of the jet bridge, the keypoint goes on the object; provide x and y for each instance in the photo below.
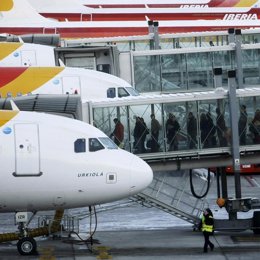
(102, 112)
(215, 154)
(177, 63)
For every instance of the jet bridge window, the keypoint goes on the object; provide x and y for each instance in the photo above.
(95, 145)
(80, 145)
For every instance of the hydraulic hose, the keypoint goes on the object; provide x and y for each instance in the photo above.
(192, 186)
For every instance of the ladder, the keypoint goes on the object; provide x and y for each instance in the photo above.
(171, 193)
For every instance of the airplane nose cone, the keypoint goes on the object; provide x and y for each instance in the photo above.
(141, 175)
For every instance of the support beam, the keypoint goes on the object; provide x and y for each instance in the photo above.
(233, 108)
(205, 162)
(239, 59)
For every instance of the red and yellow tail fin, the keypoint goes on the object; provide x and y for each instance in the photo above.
(6, 5)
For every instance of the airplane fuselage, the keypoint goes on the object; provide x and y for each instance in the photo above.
(90, 84)
(50, 162)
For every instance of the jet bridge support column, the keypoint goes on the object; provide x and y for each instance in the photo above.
(235, 39)
(231, 36)
(223, 192)
(234, 134)
(151, 32)
(239, 59)
(237, 204)
(154, 31)
(156, 36)
(224, 185)
(233, 108)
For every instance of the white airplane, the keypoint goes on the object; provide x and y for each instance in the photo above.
(115, 3)
(54, 163)
(23, 19)
(57, 8)
(167, 3)
(14, 54)
(89, 84)
(104, 11)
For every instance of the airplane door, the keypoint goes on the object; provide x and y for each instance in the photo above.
(27, 152)
(71, 85)
(29, 58)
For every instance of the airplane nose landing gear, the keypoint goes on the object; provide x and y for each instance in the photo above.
(26, 245)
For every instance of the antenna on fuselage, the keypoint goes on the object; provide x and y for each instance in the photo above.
(20, 39)
(61, 63)
(14, 106)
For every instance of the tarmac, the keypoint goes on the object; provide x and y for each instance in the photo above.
(131, 231)
(172, 243)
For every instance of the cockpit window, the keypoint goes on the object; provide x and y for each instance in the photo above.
(122, 92)
(95, 145)
(80, 145)
(108, 143)
(132, 91)
(111, 93)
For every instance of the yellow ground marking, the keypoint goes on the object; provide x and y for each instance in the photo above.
(46, 253)
(103, 252)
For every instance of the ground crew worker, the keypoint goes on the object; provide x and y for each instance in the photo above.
(207, 227)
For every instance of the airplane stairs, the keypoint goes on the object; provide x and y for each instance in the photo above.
(171, 193)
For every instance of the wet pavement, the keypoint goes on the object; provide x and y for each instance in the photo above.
(171, 243)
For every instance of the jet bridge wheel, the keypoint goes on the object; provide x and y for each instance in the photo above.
(26, 246)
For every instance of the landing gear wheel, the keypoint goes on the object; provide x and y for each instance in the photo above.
(26, 246)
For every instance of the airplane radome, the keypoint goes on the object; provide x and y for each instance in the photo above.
(50, 162)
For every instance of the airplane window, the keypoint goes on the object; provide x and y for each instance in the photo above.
(132, 91)
(111, 92)
(108, 143)
(95, 145)
(122, 92)
(80, 145)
